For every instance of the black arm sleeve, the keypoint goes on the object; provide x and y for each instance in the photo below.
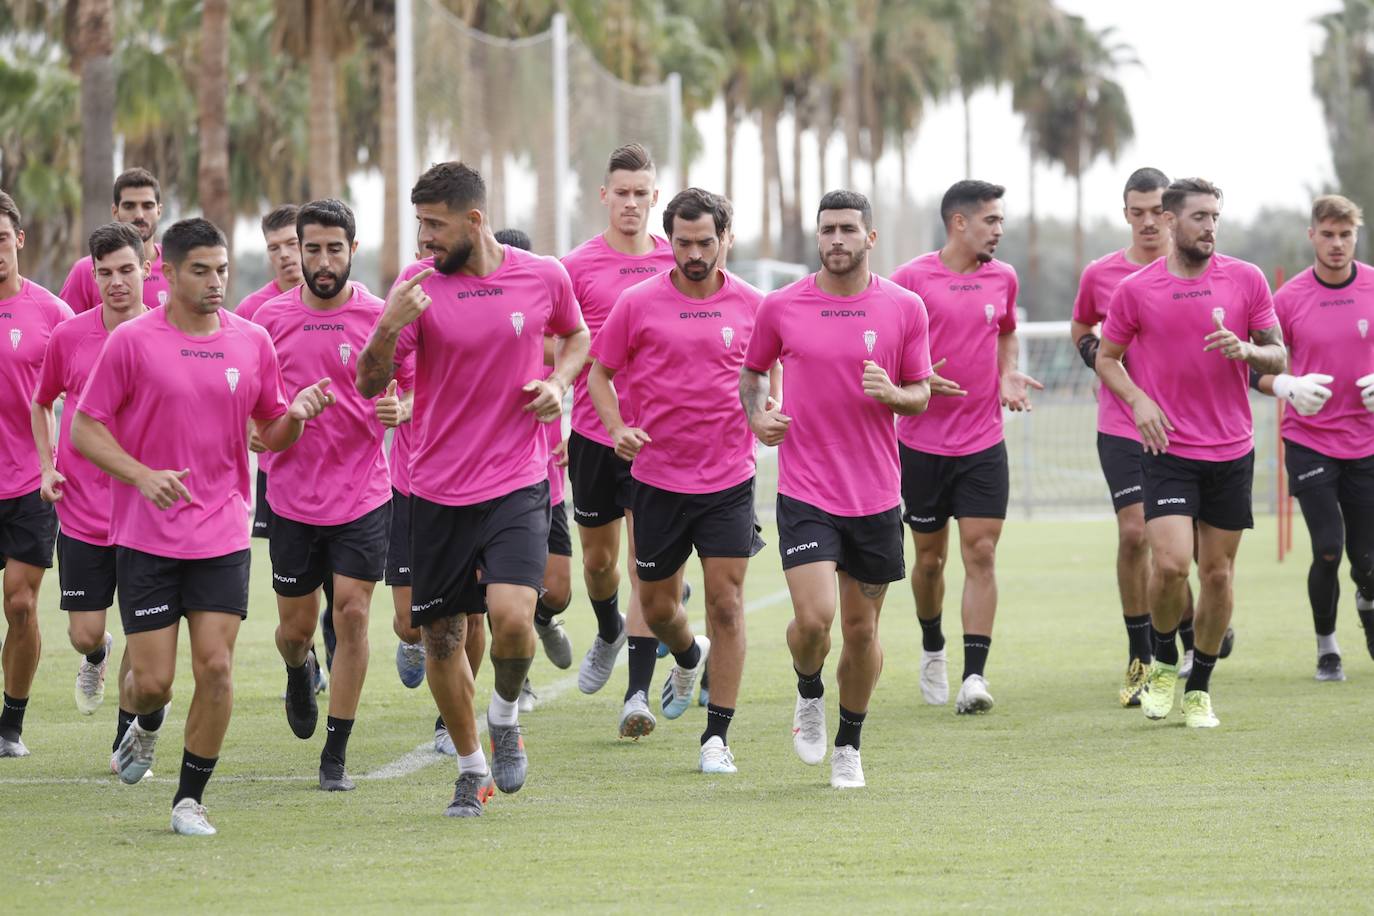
(1254, 379)
(1087, 348)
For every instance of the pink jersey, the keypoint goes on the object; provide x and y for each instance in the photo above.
(968, 313)
(82, 294)
(1100, 279)
(1327, 330)
(553, 433)
(477, 345)
(1164, 320)
(336, 472)
(175, 402)
(840, 453)
(84, 509)
(255, 300)
(683, 359)
(27, 322)
(599, 275)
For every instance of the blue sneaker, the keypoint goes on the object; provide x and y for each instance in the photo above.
(331, 640)
(677, 688)
(410, 663)
(321, 682)
(686, 596)
(704, 693)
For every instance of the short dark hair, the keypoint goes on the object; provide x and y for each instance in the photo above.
(1178, 191)
(327, 212)
(111, 237)
(964, 196)
(280, 218)
(186, 235)
(632, 157)
(515, 238)
(452, 183)
(8, 208)
(1143, 181)
(136, 178)
(847, 200)
(694, 203)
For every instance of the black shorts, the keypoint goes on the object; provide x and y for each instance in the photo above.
(1120, 458)
(155, 592)
(28, 529)
(560, 536)
(507, 538)
(262, 512)
(935, 487)
(868, 548)
(669, 524)
(398, 545)
(1309, 469)
(86, 574)
(303, 555)
(601, 483)
(1216, 493)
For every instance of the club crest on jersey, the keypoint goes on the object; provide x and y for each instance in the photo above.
(517, 321)
(162, 297)
(727, 335)
(232, 376)
(344, 352)
(1363, 326)
(870, 338)
(1219, 315)
(989, 311)
(16, 335)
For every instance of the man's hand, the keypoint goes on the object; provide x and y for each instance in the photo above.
(629, 440)
(878, 385)
(1366, 384)
(164, 488)
(311, 401)
(560, 454)
(1015, 393)
(1307, 393)
(1153, 425)
(770, 425)
(548, 398)
(51, 491)
(407, 301)
(388, 407)
(943, 386)
(1225, 340)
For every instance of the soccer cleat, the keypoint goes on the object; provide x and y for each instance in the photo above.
(13, 748)
(135, 754)
(704, 696)
(680, 682)
(599, 661)
(808, 729)
(90, 682)
(468, 797)
(557, 646)
(333, 777)
(1197, 710)
(636, 720)
(846, 769)
(1228, 642)
(1157, 698)
(114, 767)
(302, 712)
(189, 819)
(1329, 668)
(934, 678)
(1133, 684)
(321, 681)
(973, 696)
(1185, 667)
(527, 697)
(443, 742)
(716, 758)
(410, 663)
(508, 761)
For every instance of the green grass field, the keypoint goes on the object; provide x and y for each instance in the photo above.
(1059, 799)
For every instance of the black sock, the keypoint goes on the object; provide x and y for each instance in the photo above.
(643, 655)
(851, 723)
(336, 734)
(125, 717)
(544, 613)
(689, 657)
(96, 657)
(1185, 634)
(717, 723)
(975, 655)
(1324, 625)
(1166, 646)
(151, 721)
(439, 723)
(810, 686)
(608, 619)
(1202, 670)
(12, 718)
(195, 773)
(1138, 638)
(932, 638)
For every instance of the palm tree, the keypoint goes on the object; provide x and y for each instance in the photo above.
(1342, 76)
(212, 92)
(90, 40)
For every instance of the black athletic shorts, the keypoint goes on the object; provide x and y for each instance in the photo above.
(1120, 458)
(560, 536)
(669, 524)
(155, 592)
(1308, 469)
(85, 573)
(601, 483)
(398, 545)
(1217, 493)
(935, 487)
(868, 548)
(28, 529)
(303, 555)
(262, 512)
(507, 538)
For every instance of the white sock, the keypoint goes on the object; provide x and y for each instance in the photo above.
(476, 762)
(1326, 645)
(1361, 604)
(503, 712)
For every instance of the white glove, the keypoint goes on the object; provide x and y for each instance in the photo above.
(1367, 391)
(1307, 393)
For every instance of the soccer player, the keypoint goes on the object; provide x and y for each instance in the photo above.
(854, 352)
(28, 525)
(692, 455)
(601, 269)
(474, 316)
(954, 459)
(1189, 401)
(1326, 313)
(165, 413)
(77, 488)
(331, 492)
(137, 201)
(284, 257)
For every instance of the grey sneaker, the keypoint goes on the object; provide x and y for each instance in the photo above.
(135, 753)
(599, 661)
(470, 793)
(333, 777)
(557, 645)
(302, 712)
(443, 742)
(678, 686)
(189, 819)
(1329, 667)
(508, 761)
(636, 720)
(13, 748)
(90, 681)
(527, 697)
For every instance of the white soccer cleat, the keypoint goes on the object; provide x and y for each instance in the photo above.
(599, 662)
(189, 819)
(973, 696)
(90, 682)
(528, 698)
(134, 756)
(114, 767)
(636, 720)
(934, 678)
(716, 758)
(1185, 666)
(13, 748)
(808, 729)
(846, 770)
(443, 742)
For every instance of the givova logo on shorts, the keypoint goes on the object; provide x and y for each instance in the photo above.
(811, 545)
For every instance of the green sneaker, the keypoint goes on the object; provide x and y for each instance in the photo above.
(1197, 710)
(1134, 684)
(1157, 699)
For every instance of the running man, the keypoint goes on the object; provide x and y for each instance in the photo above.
(283, 256)
(854, 353)
(137, 201)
